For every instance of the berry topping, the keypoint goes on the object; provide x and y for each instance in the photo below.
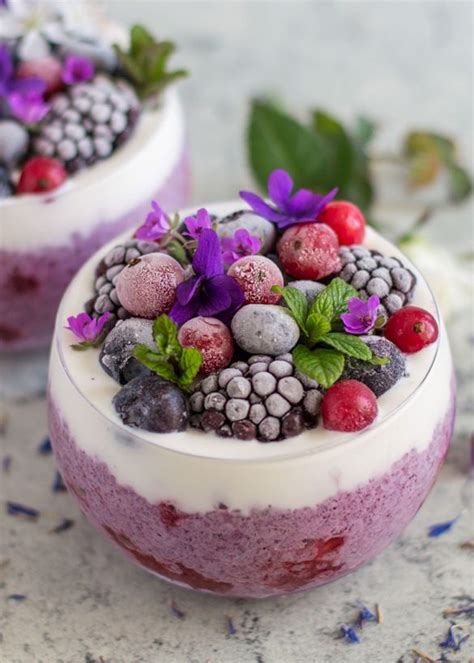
(48, 69)
(257, 226)
(411, 329)
(378, 378)
(256, 275)
(348, 406)
(146, 287)
(116, 356)
(152, 404)
(309, 251)
(212, 338)
(40, 174)
(13, 142)
(310, 289)
(265, 328)
(346, 220)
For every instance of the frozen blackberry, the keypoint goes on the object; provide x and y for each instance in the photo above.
(261, 399)
(106, 273)
(87, 122)
(378, 378)
(372, 273)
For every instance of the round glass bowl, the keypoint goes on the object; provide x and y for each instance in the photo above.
(243, 518)
(44, 239)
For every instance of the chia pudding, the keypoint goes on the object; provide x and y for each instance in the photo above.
(226, 513)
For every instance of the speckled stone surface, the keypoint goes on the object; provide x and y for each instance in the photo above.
(406, 64)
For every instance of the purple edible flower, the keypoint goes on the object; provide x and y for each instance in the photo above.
(362, 315)
(77, 69)
(24, 96)
(241, 244)
(302, 207)
(156, 226)
(349, 634)
(85, 328)
(209, 292)
(196, 224)
(451, 641)
(17, 509)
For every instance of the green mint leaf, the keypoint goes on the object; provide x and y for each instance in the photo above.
(189, 364)
(348, 344)
(140, 39)
(155, 362)
(178, 252)
(340, 150)
(378, 361)
(296, 302)
(165, 334)
(276, 140)
(332, 301)
(324, 366)
(317, 326)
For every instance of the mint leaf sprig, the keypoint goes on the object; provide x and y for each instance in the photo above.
(170, 360)
(325, 346)
(145, 62)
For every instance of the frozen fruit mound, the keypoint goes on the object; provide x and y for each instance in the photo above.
(255, 326)
(69, 96)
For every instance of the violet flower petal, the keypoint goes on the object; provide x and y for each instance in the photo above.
(207, 261)
(188, 289)
(6, 64)
(260, 207)
(303, 204)
(215, 298)
(77, 69)
(181, 314)
(280, 186)
(357, 306)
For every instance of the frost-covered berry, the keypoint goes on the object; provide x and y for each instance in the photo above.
(213, 340)
(256, 225)
(265, 328)
(411, 329)
(346, 220)
(256, 275)
(309, 251)
(152, 404)
(348, 406)
(116, 355)
(13, 142)
(146, 287)
(378, 378)
(310, 289)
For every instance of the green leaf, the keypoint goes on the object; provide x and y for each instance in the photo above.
(324, 366)
(155, 362)
(276, 140)
(348, 344)
(364, 130)
(460, 183)
(296, 302)
(189, 363)
(340, 150)
(332, 301)
(378, 361)
(317, 326)
(178, 252)
(140, 38)
(165, 334)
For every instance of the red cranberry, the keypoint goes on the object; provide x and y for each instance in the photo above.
(212, 338)
(348, 406)
(309, 251)
(41, 174)
(411, 329)
(346, 220)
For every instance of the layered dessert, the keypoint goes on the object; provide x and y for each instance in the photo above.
(251, 399)
(84, 109)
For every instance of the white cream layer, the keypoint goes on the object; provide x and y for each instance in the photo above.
(103, 193)
(197, 470)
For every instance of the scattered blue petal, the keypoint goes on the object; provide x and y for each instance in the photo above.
(64, 525)
(44, 447)
(441, 528)
(6, 464)
(177, 612)
(451, 641)
(16, 597)
(349, 634)
(58, 484)
(365, 615)
(231, 630)
(16, 509)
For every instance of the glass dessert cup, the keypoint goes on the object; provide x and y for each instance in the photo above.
(240, 518)
(45, 238)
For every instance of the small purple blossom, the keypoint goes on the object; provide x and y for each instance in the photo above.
(196, 224)
(302, 207)
(24, 96)
(241, 244)
(157, 225)
(77, 69)
(86, 329)
(362, 315)
(210, 292)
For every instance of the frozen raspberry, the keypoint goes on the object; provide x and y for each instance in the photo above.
(309, 251)
(346, 220)
(146, 287)
(49, 69)
(212, 338)
(41, 174)
(256, 275)
(348, 406)
(411, 329)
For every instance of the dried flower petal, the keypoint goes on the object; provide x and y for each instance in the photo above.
(176, 611)
(441, 528)
(63, 526)
(349, 634)
(17, 509)
(231, 630)
(77, 69)
(44, 447)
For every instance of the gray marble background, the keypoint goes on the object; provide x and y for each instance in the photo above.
(406, 64)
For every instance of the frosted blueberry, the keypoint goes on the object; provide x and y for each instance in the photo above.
(257, 413)
(265, 328)
(238, 387)
(215, 401)
(237, 409)
(280, 369)
(276, 405)
(291, 389)
(269, 429)
(209, 384)
(264, 384)
(226, 375)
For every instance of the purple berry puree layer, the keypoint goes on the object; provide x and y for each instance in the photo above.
(267, 552)
(32, 282)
